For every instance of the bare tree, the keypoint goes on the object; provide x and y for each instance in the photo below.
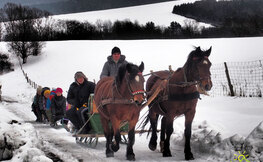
(191, 28)
(24, 28)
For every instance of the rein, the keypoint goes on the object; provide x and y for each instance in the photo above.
(178, 84)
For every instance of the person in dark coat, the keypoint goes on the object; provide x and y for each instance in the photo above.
(113, 63)
(78, 95)
(35, 105)
(42, 105)
(58, 107)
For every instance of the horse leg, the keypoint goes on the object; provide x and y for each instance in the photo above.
(163, 129)
(108, 135)
(168, 131)
(115, 146)
(153, 141)
(189, 116)
(131, 136)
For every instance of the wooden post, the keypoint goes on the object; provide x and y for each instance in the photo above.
(229, 81)
(0, 93)
(26, 78)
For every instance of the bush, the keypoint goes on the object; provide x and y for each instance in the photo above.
(5, 64)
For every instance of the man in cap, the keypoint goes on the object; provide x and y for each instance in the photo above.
(114, 61)
(78, 95)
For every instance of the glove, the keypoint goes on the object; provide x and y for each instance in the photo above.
(85, 105)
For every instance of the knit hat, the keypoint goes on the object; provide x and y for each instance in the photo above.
(115, 50)
(59, 90)
(46, 92)
(79, 74)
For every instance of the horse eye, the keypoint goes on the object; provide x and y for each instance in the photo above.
(205, 62)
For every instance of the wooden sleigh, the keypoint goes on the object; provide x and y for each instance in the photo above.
(97, 131)
(91, 139)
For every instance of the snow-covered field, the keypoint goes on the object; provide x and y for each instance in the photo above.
(217, 118)
(159, 13)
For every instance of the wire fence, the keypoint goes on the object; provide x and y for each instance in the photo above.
(29, 81)
(244, 79)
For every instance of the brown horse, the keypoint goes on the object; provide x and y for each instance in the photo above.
(178, 97)
(120, 99)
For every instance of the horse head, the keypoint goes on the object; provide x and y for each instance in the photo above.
(198, 68)
(131, 77)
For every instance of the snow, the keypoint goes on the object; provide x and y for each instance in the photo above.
(159, 13)
(221, 123)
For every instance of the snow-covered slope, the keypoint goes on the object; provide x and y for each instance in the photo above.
(159, 13)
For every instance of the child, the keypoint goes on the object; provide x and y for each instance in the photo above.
(47, 104)
(58, 107)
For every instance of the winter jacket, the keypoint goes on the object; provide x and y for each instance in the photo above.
(110, 67)
(47, 103)
(58, 105)
(42, 99)
(78, 94)
(35, 104)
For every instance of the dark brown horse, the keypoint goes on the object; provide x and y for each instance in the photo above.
(178, 97)
(120, 99)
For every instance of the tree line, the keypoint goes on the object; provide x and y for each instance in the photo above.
(26, 29)
(30, 24)
(231, 18)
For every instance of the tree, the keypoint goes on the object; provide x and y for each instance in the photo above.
(190, 28)
(23, 27)
(5, 64)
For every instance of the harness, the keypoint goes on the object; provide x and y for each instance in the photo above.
(121, 100)
(168, 96)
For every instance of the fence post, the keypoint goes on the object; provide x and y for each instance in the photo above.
(229, 81)
(0, 93)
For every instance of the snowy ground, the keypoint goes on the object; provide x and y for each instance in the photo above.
(221, 124)
(159, 13)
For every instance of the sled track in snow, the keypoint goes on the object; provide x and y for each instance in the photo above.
(55, 146)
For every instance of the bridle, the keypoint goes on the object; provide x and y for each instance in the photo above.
(131, 92)
(199, 79)
(136, 92)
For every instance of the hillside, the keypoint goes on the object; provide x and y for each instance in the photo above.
(237, 17)
(73, 6)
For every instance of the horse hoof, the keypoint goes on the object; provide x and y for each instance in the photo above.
(152, 147)
(167, 154)
(131, 157)
(189, 156)
(114, 148)
(110, 154)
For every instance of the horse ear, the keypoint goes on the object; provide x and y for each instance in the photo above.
(208, 52)
(197, 53)
(141, 67)
(129, 67)
(198, 49)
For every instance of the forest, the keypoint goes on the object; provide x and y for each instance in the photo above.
(231, 18)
